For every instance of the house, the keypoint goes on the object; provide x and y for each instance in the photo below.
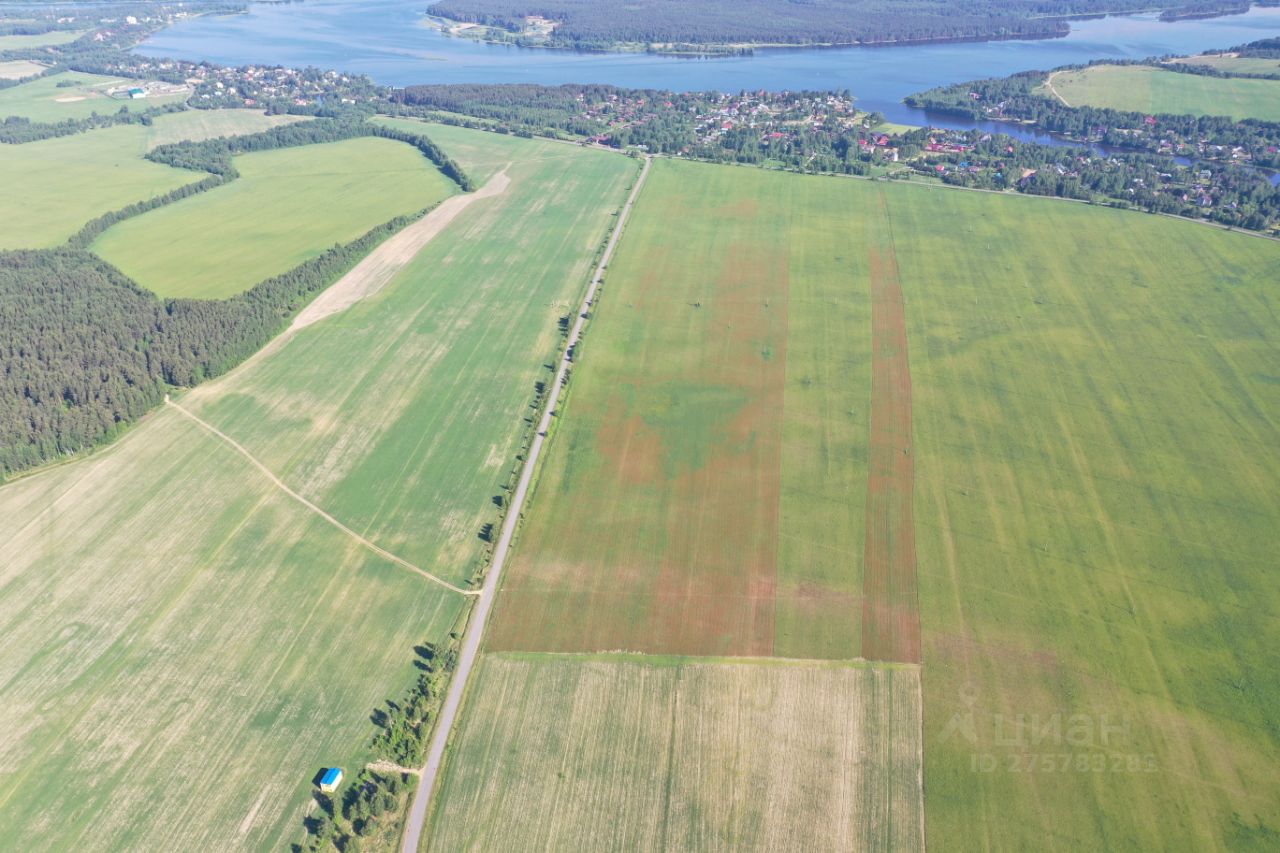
(331, 779)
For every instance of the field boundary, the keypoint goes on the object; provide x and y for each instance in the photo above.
(475, 629)
(280, 484)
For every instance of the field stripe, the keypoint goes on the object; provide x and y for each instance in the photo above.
(890, 605)
(382, 552)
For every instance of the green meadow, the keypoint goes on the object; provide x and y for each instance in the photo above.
(287, 206)
(53, 37)
(73, 95)
(187, 645)
(53, 187)
(1234, 64)
(1146, 89)
(195, 125)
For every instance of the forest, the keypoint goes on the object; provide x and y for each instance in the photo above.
(86, 352)
(605, 24)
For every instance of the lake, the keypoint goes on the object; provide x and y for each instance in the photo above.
(389, 41)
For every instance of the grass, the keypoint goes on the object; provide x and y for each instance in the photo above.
(53, 37)
(1097, 412)
(1143, 88)
(185, 645)
(287, 206)
(565, 753)
(55, 186)
(1229, 64)
(16, 69)
(195, 125)
(44, 100)
(1096, 417)
(704, 493)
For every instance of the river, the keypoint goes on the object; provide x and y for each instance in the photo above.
(390, 41)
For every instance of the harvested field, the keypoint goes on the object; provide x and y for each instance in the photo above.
(45, 100)
(276, 215)
(186, 643)
(715, 525)
(55, 186)
(621, 752)
(1144, 88)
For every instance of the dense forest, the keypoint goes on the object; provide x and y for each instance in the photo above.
(603, 24)
(86, 352)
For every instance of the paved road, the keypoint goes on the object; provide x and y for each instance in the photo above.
(475, 628)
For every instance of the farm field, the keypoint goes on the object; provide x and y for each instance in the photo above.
(410, 428)
(638, 752)
(1094, 423)
(186, 644)
(16, 69)
(277, 214)
(195, 125)
(719, 421)
(53, 187)
(1143, 88)
(1230, 64)
(19, 42)
(45, 100)
(1097, 435)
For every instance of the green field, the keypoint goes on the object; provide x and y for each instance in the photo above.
(637, 752)
(53, 37)
(186, 646)
(287, 206)
(44, 100)
(55, 186)
(195, 125)
(1229, 64)
(1143, 88)
(1095, 441)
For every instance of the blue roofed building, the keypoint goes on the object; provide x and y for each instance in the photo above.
(331, 779)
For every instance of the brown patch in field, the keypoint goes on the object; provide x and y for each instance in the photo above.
(716, 589)
(890, 606)
(630, 447)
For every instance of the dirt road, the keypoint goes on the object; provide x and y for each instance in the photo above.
(475, 628)
(381, 552)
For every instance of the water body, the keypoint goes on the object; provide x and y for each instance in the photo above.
(389, 41)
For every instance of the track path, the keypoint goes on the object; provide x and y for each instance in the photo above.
(280, 484)
(475, 627)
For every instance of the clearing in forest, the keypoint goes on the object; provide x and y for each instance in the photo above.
(53, 187)
(280, 212)
(641, 752)
(1147, 89)
(186, 643)
(195, 125)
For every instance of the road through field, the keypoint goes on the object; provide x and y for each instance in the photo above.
(476, 625)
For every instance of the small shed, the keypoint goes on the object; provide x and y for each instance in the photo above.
(331, 779)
